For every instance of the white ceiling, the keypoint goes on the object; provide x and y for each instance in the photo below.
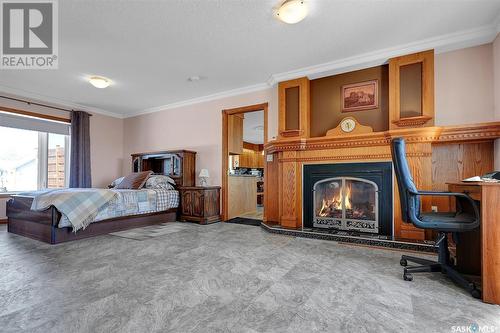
(150, 48)
(251, 122)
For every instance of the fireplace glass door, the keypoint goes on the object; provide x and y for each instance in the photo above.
(346, 203)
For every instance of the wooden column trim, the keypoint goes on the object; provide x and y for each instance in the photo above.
(289, 191)
(490, 245)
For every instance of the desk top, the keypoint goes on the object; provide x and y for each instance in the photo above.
(474, 183)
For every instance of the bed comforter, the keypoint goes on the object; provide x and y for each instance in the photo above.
(80, 207)
(133, 202)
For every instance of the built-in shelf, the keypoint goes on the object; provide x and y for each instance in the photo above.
(412, 121)
(291, 133)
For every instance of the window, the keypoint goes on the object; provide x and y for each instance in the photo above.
(18, 159)
(56, 161)
(32, 159)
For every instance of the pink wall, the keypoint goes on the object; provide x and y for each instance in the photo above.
(196, 127)
(468, 87)
(464, 86)
(106, 148)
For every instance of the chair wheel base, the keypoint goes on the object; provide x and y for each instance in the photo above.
(476, 293)
(403, 262)
(407, 277)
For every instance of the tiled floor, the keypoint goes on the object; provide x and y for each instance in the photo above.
(150, 231)
(222, 277)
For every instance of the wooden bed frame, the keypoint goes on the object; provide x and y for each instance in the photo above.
(42, 225)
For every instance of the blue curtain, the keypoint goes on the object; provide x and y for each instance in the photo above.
(79, 174)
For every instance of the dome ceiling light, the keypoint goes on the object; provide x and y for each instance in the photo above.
(99, 82)
(292, 11)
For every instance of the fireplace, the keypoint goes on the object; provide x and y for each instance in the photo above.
(349, 197)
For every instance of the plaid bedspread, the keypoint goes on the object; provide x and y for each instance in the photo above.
(133, 202)
(79, 206)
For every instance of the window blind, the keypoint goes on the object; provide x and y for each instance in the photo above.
(33, 124)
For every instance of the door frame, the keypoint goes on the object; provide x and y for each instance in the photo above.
(225, 153)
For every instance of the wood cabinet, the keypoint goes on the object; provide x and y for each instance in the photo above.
(250, 159)
(235, 133)
(200, 204)
(294, 108)
(180, 165)
(411, 90)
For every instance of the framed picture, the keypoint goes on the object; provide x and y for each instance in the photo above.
(359, 96)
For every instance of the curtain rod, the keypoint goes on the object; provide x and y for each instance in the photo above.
(38, 104)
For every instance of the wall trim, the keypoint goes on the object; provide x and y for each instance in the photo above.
(207, 98)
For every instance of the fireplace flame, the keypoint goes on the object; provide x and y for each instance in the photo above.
(335, 203)
(347, 198)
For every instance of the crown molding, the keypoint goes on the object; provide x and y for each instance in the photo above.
(443, 43)
(56, 101)
(206, 98)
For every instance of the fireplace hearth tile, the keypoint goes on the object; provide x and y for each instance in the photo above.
(354, 238)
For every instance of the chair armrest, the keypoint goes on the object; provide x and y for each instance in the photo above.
(454, 194)
(448, 194)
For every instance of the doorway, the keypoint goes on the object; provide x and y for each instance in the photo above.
(244, 134)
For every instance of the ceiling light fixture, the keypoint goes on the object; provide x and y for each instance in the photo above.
(99, 82)
(194, 78)
(292, 11)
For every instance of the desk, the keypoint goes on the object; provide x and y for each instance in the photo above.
(482, 247)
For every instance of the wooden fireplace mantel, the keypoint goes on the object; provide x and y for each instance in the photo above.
(436, 155)
(436, 134)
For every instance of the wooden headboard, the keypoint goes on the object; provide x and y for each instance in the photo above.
(180, 165)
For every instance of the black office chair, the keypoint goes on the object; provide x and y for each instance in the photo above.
(443, 223)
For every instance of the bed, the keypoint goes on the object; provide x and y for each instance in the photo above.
(124, 209)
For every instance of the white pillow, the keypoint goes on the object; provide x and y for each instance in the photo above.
(116, 182)
(160, 181)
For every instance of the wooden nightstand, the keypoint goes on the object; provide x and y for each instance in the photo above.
(200, 204)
